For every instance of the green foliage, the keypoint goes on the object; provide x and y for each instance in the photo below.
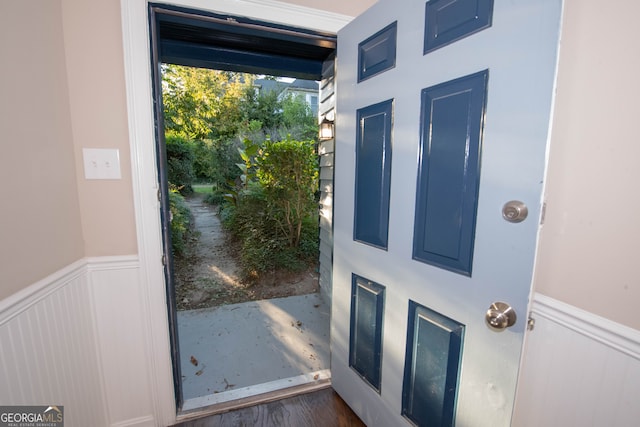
(261, 107)
(298, 119)
(180, 222)
(274, 214)
(180, 158)
(205, 107)
(263, 246)
(202, 104)
(288, 172)
(214, 161)
(256, 149)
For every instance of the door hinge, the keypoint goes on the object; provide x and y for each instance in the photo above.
(164, 260)
(543, 213)
(531, 323)
(159, 194)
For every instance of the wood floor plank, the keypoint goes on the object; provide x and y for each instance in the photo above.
(323, 408)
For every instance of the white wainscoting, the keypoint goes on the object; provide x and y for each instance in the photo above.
(122, 339)
(578, 370)
(48, 354)
(77, 338)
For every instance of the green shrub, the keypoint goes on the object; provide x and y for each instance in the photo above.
(273, 214)
(288, 172)
(214, 161)
(216, 198)
(180, 222)
(180, 159)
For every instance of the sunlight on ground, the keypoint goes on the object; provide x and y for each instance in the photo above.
(227, 279)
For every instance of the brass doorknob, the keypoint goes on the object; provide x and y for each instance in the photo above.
(500, 316)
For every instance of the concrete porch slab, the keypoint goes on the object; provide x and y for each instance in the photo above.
(243, 345)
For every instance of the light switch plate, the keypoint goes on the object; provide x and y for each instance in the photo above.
(101, 163)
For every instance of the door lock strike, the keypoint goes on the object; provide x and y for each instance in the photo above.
(531, 323)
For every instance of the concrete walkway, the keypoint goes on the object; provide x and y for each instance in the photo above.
(238, 346)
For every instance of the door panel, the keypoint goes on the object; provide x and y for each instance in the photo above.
(432, 367)
(518, 51)
(451, 20)
(373, 174)
(378, 53)
(448, 177)
(365, 349)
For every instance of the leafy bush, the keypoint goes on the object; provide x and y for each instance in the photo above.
(180, 159)
(274, 213)
(215, 161)
(180, 222)
(288, 172)
(216, 198)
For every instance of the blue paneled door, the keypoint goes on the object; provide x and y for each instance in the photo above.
(443, 111)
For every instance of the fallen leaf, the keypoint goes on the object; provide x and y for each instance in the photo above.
(194, 361)
(316, 376)
(199, 372)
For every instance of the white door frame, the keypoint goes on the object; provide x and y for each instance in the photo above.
(137, 62)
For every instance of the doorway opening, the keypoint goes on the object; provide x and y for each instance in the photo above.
(233, 46)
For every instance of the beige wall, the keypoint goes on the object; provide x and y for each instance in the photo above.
(589, 248)
(344, 7)
(39, 216)
(93, 48)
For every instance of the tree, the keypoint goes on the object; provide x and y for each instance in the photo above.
(202, 104)
(297, 117)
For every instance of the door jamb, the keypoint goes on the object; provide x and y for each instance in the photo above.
(140, 115)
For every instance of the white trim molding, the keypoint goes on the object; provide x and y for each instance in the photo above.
(578, 369)
(619, 337)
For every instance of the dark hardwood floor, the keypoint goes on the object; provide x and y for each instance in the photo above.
(323, 408)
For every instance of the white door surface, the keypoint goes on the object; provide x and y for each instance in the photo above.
(443, 113)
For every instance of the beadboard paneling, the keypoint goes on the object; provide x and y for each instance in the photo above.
(78, 338)
(47, 352)
(578, 370)
(121, 339)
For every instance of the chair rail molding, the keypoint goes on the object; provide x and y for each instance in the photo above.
(619, 337)
(577, 369)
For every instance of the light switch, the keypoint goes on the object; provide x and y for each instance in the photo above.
(101, 163)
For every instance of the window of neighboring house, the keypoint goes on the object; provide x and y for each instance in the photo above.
(313, 103)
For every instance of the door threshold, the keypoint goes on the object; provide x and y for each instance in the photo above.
(248, 396)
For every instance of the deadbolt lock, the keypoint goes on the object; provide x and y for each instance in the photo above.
(515, 211)
(500, 316)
